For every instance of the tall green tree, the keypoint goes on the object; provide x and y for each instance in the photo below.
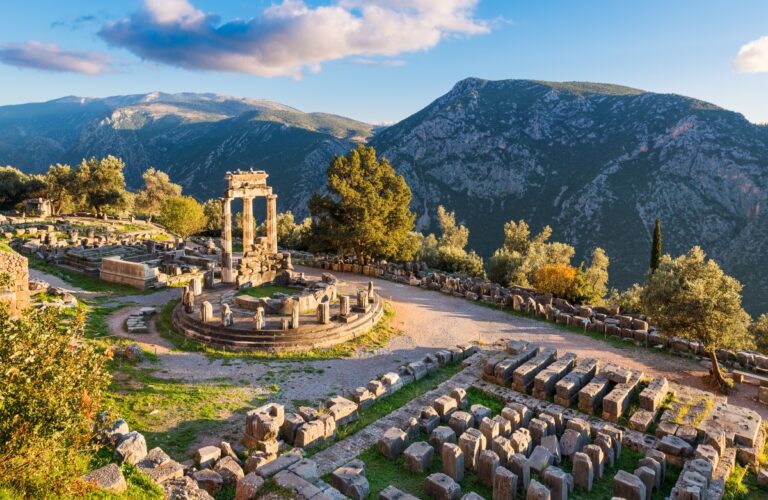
(366, 209)
(103, 184)
(61, 188)
(156, 190)
(691, 297)
(16, 186)
(182, 215)
(213, 215)
(656, 246)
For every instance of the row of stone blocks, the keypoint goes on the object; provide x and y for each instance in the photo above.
(541, 372)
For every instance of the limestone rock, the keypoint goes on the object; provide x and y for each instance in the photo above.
(108, 478)
(131, 448)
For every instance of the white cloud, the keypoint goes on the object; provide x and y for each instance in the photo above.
(753, 57)
(289, 38)
(51, 57)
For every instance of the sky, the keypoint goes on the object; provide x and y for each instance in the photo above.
(380, 60)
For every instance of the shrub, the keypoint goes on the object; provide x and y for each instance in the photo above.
(51, 385)
(556, 279)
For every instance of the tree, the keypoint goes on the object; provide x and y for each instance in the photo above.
(556, 279)
(213, 215)
(758, 330)
(656, 246)
(61, 188)
(448, 252)
(451, 234)
(596, 276)
(16, 186)
(691, 297)
(157, 188)
(182, 215)
(628, 301)
(103, 184)
(52, 384)
(366, 208)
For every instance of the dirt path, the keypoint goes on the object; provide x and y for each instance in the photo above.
(429, 321)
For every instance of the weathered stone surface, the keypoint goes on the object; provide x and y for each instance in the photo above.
(350, 480)
(641, 420)
(605, 443)
(538, 429)
(597, 458)
(208, 480)
(441, 435)
(559, 482)
(521, 440)
(472, 442)
(392, 493)
(505, 426)
(571, 442)
(540, 459)
(280, 463)
(490, 429)
(616, 374)
(504, 484)
(544, 382)
(309, 434)
(583, 471)
(453, 461)
(392, 443)
(652, 396)
(248, 487)
(460, 395)
(419, 456)
(441, 487)
(479, 412)
(708, 453)
(428, 419)
(445, 406)
(460, 421)
(108, 478)
(160, 467)
(675, 446)
(522, 379)
(487, 464)
(537, 491)
(520, 467)
(131, 448)
(298, 487)
(229, 470)
(553, 445)
(628, 486)
(362, 397)
(655, 467)
(342, 409)
(306, 469)
(523, 411)
(648, 477)
(503, 448)
(592, 394)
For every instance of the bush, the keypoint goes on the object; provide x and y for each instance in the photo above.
(51, 385)
(628, 300)
(556, 279)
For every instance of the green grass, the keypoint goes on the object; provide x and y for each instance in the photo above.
(382, 472)
(265, 291)
(387, 405)
(4, 246)
(140, 486)
(378, 336)
(84, 281)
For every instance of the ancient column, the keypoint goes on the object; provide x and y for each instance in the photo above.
(206, 311)
(258, 319)
(370, 291)
(344, 305)
(226, 315)
(362, 299)
(272, 222)
(227, 272)
(295, 314)
(248, 227)
(324, 313)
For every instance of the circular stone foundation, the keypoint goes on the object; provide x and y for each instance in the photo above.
(242, 335)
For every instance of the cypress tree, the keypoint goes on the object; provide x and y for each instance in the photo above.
(656, 246)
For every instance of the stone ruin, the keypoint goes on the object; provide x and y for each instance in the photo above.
(14, 282)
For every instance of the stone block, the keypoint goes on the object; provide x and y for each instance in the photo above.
(595, 454)
(605, 443)
(460, 421)
(392, 493)
(471, 442)
(551, 443)
(441, 435)
(309, 434)
(519, 466)
(342, 409)
(504, 484)
(571, 442)
(537, 491)
(559, 482)
(521, 440)
(525, 413)
(445, 406)
(628, 486)
(641, 420)
(503, 448)
(708, 453)
(362, 397)
(392, 443)
(652, 396)
(229, 470)
(648, 477)
(511, 416)
(132, 448)
(538, 429)
(540, 459)
(108, 478)
(441, 487)
(350, 480)
(376, 387)
(306, 469)
(453, 461)
(505, 426)
(280, 463)
(248, 487)
(419, 456)
(479, 412)
(428, 419)
(522, 379)
(290, 426)
(487, 464)
(490, 429)
(673, 445)
(460, 395)
(208, 480)
(583, 471)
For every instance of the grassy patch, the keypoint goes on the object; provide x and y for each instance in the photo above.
(382, 472)
(476, 396)
(140, 486)
(265, 291)
(387, 405)
(84, 281)
(5, 247)
(378, 336)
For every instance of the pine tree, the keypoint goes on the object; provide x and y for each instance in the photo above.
(656, 246)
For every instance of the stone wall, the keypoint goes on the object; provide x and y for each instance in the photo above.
(136, 274)
(14, 282)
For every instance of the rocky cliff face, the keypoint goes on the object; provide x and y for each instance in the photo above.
(597, 162)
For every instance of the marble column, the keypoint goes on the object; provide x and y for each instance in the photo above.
(227, 271)
(272, 222)
(248, 227)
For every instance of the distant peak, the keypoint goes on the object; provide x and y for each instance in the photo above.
(473, 83)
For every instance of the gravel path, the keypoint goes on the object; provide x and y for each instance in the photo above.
(428, 321)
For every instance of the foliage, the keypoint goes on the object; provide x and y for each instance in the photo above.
(102, 185)
(182, 215)
(628, 300)
(213, 215)
(52, 384)
(691, 297)
(448, 252)
(596, 276)
(16, 186)
(556, 279)
(289, 234)
(61, 188)
(156, 190)
(365, 211)
(656, 246)
(758, 330)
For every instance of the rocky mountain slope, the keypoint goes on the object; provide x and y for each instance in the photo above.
(597, 162)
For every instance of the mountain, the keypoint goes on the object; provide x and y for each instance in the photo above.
(196, 138)
(597, 162)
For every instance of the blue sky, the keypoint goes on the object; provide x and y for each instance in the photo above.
(401, 54)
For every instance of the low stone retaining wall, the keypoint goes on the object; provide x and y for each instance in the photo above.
(14, 282)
